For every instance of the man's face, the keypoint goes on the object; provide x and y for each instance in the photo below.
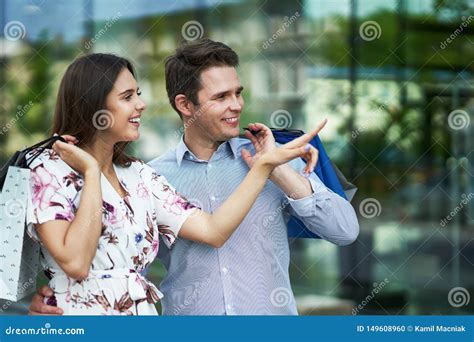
(217, 117)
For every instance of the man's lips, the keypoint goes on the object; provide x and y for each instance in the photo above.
(234, 119)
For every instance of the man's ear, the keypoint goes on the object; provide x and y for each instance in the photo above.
(183, 105)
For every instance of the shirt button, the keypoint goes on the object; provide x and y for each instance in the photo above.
(213, 198)
(224, 270)
(209, 165)
(229, 308)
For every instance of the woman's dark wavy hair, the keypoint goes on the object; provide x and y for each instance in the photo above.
(83, 92)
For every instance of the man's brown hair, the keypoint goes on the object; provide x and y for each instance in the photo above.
(183, 69)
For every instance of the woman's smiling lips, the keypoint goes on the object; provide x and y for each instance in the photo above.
(135, 121)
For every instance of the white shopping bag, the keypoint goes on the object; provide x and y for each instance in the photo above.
(19, 254)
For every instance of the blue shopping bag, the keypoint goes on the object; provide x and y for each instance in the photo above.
(327, 172)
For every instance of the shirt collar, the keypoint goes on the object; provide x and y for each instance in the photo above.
(182, 149)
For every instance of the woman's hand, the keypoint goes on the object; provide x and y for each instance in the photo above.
(74, 156)
(267, 153)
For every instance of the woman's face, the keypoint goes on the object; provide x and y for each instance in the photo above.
(123, 110)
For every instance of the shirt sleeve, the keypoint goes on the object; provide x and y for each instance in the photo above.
(172, 209)
(53, 188)
(324, 212)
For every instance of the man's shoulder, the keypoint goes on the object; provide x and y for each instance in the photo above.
(241, 143)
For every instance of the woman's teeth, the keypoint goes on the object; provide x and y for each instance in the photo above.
(134, 120)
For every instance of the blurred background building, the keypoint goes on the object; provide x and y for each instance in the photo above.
(394, 78)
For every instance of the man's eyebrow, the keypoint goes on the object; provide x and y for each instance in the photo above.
(238, 90)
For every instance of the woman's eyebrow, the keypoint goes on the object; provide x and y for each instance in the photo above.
(128, 91)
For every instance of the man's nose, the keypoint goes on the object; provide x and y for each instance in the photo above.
(236, 104)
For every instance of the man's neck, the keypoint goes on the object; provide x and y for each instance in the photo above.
(202, 147)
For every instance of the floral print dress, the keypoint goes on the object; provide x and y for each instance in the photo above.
(131, 228)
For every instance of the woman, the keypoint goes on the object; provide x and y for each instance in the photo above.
(99, 213)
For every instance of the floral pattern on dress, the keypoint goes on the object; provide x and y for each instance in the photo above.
(130, 233)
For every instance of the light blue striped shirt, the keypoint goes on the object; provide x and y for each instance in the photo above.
(249, 274)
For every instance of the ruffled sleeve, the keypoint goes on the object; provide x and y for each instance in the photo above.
(52, 192)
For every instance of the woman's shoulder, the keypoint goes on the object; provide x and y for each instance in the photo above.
(142, 167)
(49, 160)
(146, 173)
(49, 171)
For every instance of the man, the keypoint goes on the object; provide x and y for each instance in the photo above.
(249, 274)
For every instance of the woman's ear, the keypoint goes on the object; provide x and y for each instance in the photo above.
(183, 105)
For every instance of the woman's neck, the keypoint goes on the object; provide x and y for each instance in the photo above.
(103, 152)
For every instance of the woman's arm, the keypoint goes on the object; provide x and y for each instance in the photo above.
(73, 244)
(215, 229)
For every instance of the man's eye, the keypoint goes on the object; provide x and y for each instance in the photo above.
(239, 94)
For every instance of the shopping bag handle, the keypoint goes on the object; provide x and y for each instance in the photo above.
(19, 158)
(41, 143)
(40, 148)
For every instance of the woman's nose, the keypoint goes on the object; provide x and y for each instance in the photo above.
(141, 105)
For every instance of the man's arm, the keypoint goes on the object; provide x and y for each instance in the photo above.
(322, 211)
(293, 184)
(37, 307)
